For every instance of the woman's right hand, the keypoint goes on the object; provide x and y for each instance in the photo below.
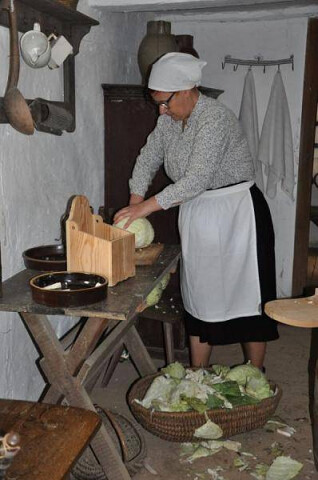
(140, 209)
(135, 199)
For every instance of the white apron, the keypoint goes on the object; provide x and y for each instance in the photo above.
(219, 270)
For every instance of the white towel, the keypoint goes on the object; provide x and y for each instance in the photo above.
(276, 143)
(249, 121)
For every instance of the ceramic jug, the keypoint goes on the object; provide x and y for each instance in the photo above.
(185, 44)
(35, 47)
(157, 42)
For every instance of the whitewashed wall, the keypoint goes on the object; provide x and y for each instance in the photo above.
(39, 173)
(247, 36)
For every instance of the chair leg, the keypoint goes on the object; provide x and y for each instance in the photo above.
(168, 340)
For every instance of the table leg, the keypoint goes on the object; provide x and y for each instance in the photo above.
(139, 353)
(315, 419)
(82, 346)
(168, 339)
(63, 381)
(105, 378)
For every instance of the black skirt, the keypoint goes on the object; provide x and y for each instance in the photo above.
(257, 328)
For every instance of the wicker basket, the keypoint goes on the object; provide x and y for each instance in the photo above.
(69, 3)
(180, 426)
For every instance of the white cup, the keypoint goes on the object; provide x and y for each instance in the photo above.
(60, 50)
(35, 47)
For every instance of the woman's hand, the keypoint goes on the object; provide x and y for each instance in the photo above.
(134, 199)
(137, 210)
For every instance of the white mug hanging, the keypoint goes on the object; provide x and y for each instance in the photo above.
(60, 50)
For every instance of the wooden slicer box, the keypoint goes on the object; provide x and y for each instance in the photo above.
(93, 246)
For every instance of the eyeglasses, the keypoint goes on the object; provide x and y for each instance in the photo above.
(164, 103)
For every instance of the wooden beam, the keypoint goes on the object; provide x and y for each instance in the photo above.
(219, 5)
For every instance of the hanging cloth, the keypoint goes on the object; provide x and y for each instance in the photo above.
(276, 143)
(249, 121)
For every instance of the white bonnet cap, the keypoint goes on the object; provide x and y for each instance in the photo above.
(176, 71)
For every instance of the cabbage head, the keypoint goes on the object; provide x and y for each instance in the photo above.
(174, 370)
(242, 373)
(143, 230)
(258, 387)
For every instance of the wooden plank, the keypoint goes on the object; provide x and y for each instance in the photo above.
(192, 5)
(104, 350)
(52, 437)
(298, 312)
(306, 154)
(148, 255)
(121, 302)
(139, 353)
(314, 214)
(70, 387)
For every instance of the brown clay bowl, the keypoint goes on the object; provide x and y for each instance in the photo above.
(68, 289)
(45, 258)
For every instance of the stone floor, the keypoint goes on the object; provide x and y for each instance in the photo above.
(286, 364)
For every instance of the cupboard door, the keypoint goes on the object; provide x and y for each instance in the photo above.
(129, 118)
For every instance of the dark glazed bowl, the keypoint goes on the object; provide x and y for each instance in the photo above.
(45, 258)
(68, 289)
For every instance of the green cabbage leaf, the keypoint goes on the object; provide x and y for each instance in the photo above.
(283, 468)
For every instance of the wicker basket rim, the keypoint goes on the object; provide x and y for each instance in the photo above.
(133, 394)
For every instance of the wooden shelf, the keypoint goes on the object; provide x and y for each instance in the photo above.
(170, 310)
(133, 92)
(60, 20)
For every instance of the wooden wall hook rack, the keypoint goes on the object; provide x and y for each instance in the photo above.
(60, 20)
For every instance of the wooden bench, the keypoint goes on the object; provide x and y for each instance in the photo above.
(52, 437)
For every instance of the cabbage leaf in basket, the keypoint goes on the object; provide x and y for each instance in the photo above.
(191, 389)
(242, 373)
(214, 402)
(194, 404)
(228, 389)
(198, 375)
(181, 390)
(159, 390)
(220, 370)
(174, 370)
(258, 387)
(165, 406)
(243, 400)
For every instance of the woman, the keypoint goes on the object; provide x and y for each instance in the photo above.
(227, 239)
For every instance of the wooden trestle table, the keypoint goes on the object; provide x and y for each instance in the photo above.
(72, 364)
(300, 312)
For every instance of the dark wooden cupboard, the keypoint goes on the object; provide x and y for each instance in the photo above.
(129, 117)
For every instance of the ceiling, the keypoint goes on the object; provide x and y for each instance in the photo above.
(198, 6)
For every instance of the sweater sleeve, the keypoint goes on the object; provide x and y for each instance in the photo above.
(147, 163)
(209, 146)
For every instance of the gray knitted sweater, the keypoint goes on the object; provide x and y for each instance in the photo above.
(209, 153)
